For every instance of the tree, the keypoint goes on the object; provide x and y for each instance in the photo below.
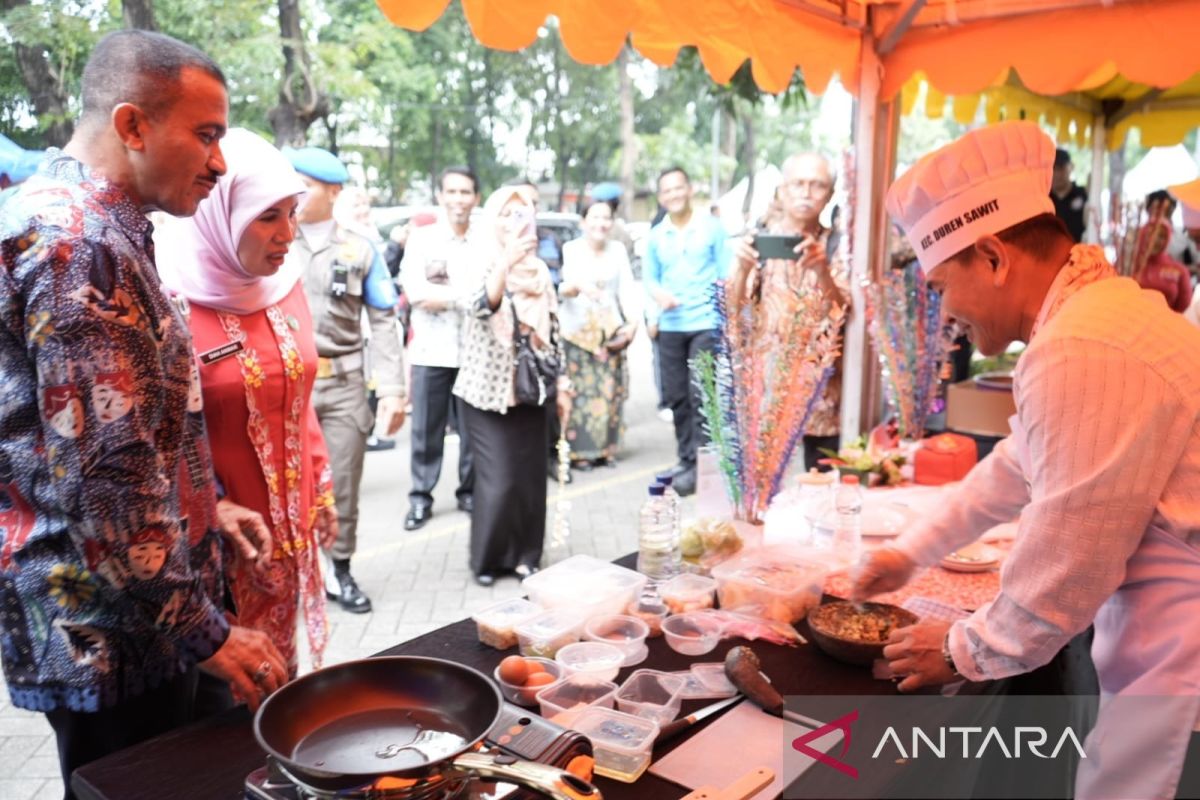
(301, 100)
(139, 14)
(49, 46)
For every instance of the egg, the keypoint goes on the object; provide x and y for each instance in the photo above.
(539, 679)
(534, 667)
(514, 670)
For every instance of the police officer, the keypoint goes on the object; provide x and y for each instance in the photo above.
(343, 276)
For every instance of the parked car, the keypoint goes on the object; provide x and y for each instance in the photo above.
(554, 230)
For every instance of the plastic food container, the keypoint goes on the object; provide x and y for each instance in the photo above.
(692, 634)
(651, 694)
(497, 622)
(596, 588)
(685, 593)
(783, 583)
(621, 742)
(527, 695)
(650, 609)
(565, 701)
(591, 659)
(627, 634)
(713, 678)
(544, 635)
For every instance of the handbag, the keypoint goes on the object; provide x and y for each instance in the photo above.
(535, 376)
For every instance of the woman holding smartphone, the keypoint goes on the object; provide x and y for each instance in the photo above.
(515, 304)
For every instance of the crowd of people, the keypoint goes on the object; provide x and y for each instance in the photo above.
(187, 409)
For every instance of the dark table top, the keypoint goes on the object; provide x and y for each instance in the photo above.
(210, 759)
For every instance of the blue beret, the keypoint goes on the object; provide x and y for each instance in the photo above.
(606, 191)
(317, 163)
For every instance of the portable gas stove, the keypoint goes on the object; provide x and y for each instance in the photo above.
(517, 733)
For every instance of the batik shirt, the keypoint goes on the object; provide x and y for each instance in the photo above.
(109, 552)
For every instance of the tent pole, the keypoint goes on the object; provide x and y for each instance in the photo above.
(1096, 182)
(876, 125)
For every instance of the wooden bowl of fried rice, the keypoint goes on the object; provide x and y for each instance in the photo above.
(853, 636)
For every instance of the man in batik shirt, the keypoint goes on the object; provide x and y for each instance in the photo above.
(110, 568)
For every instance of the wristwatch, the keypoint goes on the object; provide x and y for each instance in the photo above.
(948, 657)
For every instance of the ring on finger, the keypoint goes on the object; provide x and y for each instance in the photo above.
(263, 672)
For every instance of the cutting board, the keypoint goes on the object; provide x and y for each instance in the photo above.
(745, 735)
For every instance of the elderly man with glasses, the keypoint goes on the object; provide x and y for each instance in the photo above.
(806, 188)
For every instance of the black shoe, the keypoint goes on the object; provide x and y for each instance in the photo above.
(552, 472)
(466, 503)
(611, 463)
(417, 517)
(525, 570)
(374, 443)
(350, 597)
(676, 471)
(582, 466)
(685, 483)
(485, 579)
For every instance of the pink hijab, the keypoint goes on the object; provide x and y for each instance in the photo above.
(197, 257)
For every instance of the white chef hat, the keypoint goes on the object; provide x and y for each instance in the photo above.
(1188, 195)
(986, 181)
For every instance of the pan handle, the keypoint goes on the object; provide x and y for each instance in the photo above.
(550, 781)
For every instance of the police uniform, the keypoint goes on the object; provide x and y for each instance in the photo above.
(344, 276)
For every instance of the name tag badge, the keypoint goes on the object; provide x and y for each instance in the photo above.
(218, 353)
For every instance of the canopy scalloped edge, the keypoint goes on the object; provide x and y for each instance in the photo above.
(776, 38)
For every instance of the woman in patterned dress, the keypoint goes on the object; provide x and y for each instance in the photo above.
(598, 319)
(257, 359)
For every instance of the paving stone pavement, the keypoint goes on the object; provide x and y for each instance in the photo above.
(417, 581)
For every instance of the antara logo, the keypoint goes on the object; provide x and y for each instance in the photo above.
(800, 743)
(1031, 739)
(1036, 739)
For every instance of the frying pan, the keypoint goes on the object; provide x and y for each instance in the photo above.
(419, 721)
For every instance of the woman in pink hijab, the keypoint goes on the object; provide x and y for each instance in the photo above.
(253, 337)
(1159, 271)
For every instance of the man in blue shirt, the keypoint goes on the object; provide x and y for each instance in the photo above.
(685, 256)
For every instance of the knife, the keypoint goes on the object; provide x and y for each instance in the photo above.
(677, 727)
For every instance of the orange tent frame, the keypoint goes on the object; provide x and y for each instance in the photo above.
(1103, 65)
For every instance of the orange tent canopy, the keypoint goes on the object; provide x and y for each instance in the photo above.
(961, 46)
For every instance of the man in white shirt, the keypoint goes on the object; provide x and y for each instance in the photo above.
(1103, 464)
(442, 265)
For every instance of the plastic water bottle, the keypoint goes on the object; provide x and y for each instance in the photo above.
(676, 503)
(658, 546)
(847, 537)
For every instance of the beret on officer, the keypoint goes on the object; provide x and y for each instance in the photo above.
(316, 163)
(1188, 195)
(984, 182)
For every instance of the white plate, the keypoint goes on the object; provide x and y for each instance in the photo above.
(878, 519)
(975, 557)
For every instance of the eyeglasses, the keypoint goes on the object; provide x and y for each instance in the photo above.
(807, 187)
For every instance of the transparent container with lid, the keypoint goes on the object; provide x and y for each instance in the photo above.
(587, 584)
(547, 633)
(651, 694)
(621, 742)
(814, 493)
(566, 700)
(781, 582)
(496, 624)
(688, 592)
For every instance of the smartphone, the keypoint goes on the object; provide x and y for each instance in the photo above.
(524, 222)
(776, 245)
